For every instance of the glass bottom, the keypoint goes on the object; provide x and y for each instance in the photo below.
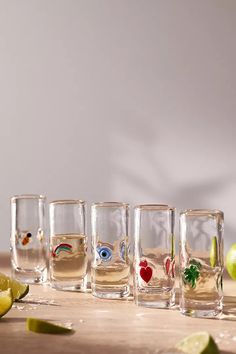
(110, 293)
(70, 285)
(203, 309)
(29, 276)
(155, 298)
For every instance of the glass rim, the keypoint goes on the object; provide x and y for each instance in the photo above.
(67, 201)
(28, 196)
(201, 212)
(154, 207)
(110, 204)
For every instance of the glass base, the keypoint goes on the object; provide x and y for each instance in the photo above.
(110, 293)
(201, 308)
(29, 276)
(69, 285)
(155, 299)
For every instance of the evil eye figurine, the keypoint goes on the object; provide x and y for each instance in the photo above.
(104, 253)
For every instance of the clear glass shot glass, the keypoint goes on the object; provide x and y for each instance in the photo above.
(28, 242)
(201, 262)
(154, 255)
(68, 260)
(110, 269)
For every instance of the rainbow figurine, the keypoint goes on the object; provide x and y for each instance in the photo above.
(65, 247)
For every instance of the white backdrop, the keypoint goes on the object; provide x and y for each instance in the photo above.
(123, 100)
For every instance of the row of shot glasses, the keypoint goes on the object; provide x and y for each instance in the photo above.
(150, 268)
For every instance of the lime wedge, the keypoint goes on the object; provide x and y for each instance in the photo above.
(213, 252)
(19, 290)
(231, 261)
(40, 326)
(198, 343)
(6, 301)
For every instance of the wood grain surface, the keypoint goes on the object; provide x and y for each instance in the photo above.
(106, 326)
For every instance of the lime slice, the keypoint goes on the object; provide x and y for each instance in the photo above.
(213, 252)
(198, 343)
(6, 301)
(231, 261)
(19, 290)
(40, 326)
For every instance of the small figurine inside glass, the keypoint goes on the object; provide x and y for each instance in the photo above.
(154, 256)
(28, 241)
(201, 262)
(110, 269)
(68, 245)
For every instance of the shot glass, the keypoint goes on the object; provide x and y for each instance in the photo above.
(68, 258)
(201, 262)
(28, 242)
(110, 270)
(154, 255)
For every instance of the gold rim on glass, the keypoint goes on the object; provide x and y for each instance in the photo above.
(201, 212)
(154, 207)
(110, 204)
(28, 196)
(67, 201)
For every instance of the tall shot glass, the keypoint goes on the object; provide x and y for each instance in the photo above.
(28, 242)
(201, 262)
(110, 268)
(154, 260)
(68, 245)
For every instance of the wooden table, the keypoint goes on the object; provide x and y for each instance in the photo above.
(106, 326)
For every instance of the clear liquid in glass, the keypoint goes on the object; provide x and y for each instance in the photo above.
(159, 291)
(110, 279)
(68, 262)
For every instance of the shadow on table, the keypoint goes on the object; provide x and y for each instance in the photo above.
(12, 320)
(36, 302)
(175, 351)
(230, 305)
(229, 311)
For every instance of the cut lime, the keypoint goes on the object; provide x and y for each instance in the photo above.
(198, 343)
(6, 301)
(19, 290)
(214, 252)
(40, 326)
(231, 261)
